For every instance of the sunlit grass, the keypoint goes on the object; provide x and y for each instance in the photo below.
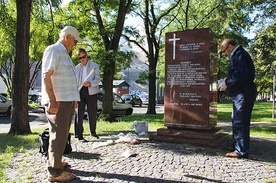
(123, 124)
(13, 144)
(262, 112)
(265, 132)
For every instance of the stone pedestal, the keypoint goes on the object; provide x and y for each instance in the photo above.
(190, 110)
(214, 137)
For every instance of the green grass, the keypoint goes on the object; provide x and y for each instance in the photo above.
(266, 132)
(155, 121)
(262, 112)
(13, 144)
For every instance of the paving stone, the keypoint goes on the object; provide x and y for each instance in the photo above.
(153, 162)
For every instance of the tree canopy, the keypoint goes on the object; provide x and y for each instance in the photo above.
(263, 52)
(102, 24)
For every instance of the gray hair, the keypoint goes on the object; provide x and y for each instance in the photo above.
(62, 35)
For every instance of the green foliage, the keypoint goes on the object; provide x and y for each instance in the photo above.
(79, 14)
(41, 32)
(263, 52)
(265, 12)
(160, 66)
(34, 105)
(7, 37)
(143, 78)
(225, 19)
(222, 16)
(7, 33)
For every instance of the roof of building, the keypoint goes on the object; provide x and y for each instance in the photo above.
(118, 83)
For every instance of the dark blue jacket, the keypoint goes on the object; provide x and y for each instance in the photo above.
(241, 74)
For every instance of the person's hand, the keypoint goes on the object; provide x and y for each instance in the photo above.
(87, 84)
(222, 86)
(75, 105)
(53, 107)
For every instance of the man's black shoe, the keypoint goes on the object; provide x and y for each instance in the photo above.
(95, 135)
(83, 140)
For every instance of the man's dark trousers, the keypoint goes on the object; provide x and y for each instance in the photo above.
(91, 102)
(241, 115)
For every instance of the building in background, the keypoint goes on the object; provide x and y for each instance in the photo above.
(120, 87)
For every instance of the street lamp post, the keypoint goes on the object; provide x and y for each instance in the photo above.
(273, 72)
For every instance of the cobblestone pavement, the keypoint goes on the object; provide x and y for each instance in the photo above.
(152, 162)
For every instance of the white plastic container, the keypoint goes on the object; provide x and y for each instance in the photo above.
(141, 126)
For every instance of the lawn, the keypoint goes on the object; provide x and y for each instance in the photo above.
(262, 112)
(12, 144)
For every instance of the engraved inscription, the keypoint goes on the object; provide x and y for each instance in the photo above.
(186, 74)
(194, 47)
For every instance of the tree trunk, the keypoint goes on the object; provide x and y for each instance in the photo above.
(21, 74)
(152, 95)
(152, 88)
(111, 44)
(109, 69)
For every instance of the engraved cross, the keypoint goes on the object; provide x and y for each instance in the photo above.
(174, 40)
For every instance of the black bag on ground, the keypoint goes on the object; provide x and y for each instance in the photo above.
(44, 143)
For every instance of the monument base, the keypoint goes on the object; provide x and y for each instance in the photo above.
(214, 137)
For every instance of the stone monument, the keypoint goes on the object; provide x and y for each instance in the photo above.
(190, 113)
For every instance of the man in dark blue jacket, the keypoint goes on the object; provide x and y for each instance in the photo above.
(241, 87)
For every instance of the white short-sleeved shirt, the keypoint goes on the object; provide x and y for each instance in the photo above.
(64, 80)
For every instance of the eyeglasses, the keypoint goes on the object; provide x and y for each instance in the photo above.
(225, 49)
(75, 41)
(82, 57)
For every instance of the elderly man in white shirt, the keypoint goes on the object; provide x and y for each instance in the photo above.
(59, 95)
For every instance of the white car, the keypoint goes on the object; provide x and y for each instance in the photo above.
(120, 108)
(145, 98)
(5, 105)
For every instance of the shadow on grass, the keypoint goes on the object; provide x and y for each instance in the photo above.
(15, 143)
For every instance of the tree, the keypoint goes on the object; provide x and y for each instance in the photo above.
(7, 46)
(20, 119)
(153, 17)
(263, 53)
(179, 16)
(111, 41)
(263, 47)
(226, 19)
(41, 35)
(21, 73)
(265, 13)
(101, 23)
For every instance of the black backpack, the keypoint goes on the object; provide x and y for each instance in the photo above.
(44, 143)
